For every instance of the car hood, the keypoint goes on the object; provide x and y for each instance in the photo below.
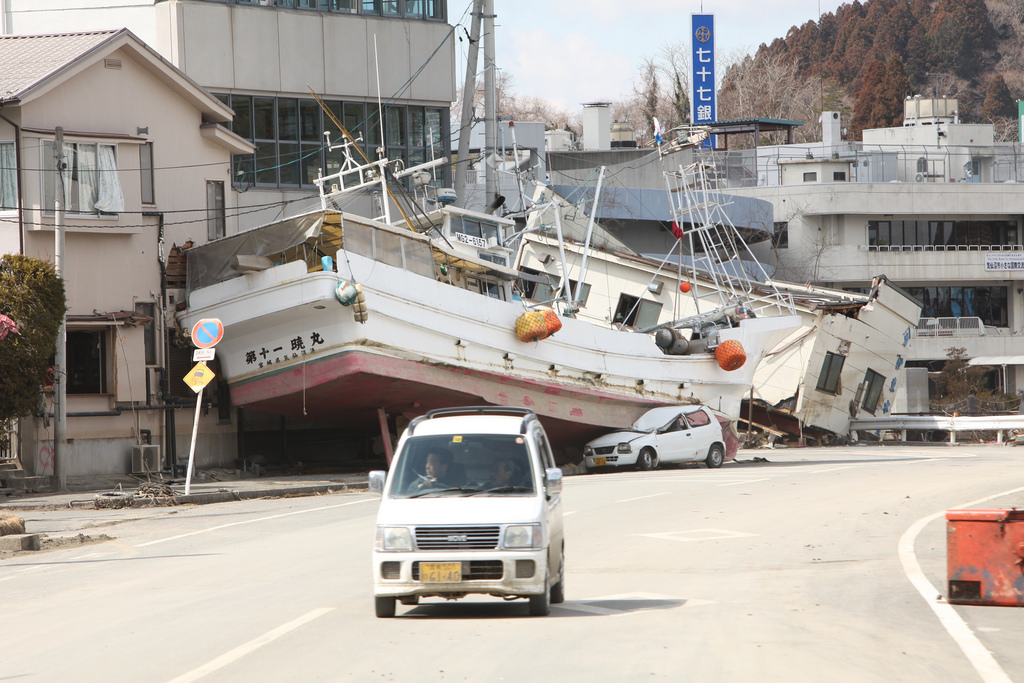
(461, 509)
(615, 438)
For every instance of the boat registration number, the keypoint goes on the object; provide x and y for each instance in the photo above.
(600, 462)
(440, 572)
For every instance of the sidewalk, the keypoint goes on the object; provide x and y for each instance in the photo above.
(214, 486)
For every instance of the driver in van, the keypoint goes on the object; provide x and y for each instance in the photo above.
(439, 461)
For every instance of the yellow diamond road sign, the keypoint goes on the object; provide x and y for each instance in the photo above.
(199, 376)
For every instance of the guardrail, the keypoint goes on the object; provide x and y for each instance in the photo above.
(950, 327)
(945, 423)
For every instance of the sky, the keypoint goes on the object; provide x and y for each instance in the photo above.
(574, 51)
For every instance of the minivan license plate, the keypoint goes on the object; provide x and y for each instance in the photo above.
(599, 462)
(440, 572)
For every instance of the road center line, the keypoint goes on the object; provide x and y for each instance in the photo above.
(252, 521)
(977, 654)
(253, 645)
(652, 495)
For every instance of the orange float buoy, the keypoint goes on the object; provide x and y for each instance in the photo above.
(730, 355)
(684, 286)
(535, 325)
(554, 324)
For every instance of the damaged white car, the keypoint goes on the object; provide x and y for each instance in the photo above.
(671, 434)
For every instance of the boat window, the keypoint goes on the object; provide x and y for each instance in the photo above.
(488, 288)
(358, 240)
(387, 248)
(418, 258)
(634, 312)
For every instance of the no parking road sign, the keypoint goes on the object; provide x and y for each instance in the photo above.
(207, 332)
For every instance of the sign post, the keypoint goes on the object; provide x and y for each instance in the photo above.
(205, 335)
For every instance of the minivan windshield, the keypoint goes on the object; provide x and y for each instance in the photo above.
(463, 464)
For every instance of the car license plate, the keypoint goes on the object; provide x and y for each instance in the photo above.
(599, 462)
(440, 572)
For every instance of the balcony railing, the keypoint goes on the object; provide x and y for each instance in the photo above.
(942, 247)
(952, 327)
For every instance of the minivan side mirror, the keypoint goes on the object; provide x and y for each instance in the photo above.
(554, 479)
(377, 480)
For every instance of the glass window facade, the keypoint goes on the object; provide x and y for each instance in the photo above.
(291, 149)
(988, 302)
(941, 234)
(408, 9)
(831, 369)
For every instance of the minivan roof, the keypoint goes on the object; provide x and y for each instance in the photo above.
(473, 419)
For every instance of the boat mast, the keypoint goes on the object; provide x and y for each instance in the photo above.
(468, 97)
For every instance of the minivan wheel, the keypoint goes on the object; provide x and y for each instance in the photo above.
(715, 457)
(648, 459)
(558, 590)
(540, 605)
(385, 606)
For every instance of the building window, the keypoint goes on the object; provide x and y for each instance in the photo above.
(146, 173)
(215, 218)
(780, 235)
(634, 312)
(811, 177)
(291, 149)
(942, 234)
(839, 176)
(545, 292)
(988, 302)
(90, 180)
(8, 176)
(873, 383)
(828, 378)
(87, 362)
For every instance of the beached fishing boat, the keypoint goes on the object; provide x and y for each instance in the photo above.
(351, 320)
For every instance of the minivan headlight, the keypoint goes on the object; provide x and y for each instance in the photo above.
(624, 447)
(393, 539)
(523, 537)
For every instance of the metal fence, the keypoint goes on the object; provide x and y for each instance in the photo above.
(8, 440)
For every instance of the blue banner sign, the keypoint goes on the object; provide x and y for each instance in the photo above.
(704, 108)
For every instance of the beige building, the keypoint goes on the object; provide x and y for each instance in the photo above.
(147, 168)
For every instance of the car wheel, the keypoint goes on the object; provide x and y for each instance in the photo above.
(384, 606)
(648, 459)
(540, 604)
(558, 590)
(715, 456)
(409, 599)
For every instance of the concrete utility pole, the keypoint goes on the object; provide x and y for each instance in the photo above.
(490, 105)
(60, 388)
(468, 95)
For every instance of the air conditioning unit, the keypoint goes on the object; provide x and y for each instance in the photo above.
(146, 459)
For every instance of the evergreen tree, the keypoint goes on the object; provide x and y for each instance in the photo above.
(887, 109)
(32, 296)
(998, 100)
(868, 94)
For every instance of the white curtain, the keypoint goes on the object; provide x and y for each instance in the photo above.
(109, 198)
(8, 177)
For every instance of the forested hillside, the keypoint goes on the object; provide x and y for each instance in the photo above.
(865, 58)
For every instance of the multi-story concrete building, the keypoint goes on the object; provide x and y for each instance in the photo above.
(935, 205)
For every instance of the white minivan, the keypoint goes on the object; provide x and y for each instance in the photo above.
(472, 504)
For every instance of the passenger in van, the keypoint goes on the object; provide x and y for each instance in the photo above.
(503, 473)
(439, 461)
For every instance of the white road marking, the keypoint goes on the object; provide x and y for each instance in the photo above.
(743, 481)
(698, 535)
(835, 469)
(253, 521)
(253, 645)
(652, 495)
(978, 655)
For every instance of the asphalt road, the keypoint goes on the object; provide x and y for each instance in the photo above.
(822, 564)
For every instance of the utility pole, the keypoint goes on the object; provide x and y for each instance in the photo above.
(60, 388)
(490, 106)
(468, 97)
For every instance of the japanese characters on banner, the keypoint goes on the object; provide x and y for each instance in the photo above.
(704, 108)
